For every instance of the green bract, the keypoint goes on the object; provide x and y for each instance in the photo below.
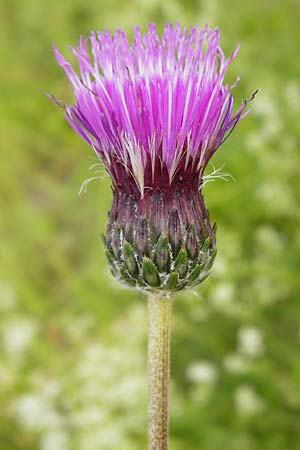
(169, 263)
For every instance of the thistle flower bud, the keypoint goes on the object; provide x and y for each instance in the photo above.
(154, 112)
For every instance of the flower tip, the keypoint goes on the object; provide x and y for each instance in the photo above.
(152, 26)
(58, 56)
(55, 50)
(234, 53)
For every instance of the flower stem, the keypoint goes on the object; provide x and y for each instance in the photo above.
(159, 333)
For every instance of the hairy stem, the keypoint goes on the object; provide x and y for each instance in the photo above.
(159, 324)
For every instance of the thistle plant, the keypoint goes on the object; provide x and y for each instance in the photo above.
(155, 112)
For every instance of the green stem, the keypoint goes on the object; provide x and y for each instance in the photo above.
(159, 325)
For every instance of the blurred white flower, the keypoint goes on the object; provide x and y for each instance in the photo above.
(278, 196)
(48, 388)
(223, 293)
(250, 341)
(269, 240)
(267, 290)
(101, 399)
(271, 126)
(202, 372)
(129, 391)
(265, 105)
(90, 416)
(35, 413)
(222, 298)
(110, 437)
(18, 334)
(247, 401)
(55, 440)
(220, 265)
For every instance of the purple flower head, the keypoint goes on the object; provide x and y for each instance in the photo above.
(156, 110)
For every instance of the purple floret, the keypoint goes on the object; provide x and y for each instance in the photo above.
(156, 110)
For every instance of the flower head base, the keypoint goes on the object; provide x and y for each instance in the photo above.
(154, 112)
(161, 242)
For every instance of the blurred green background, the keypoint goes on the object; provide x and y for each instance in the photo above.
(73, 343)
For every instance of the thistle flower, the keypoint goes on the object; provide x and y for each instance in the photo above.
(154, 112)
